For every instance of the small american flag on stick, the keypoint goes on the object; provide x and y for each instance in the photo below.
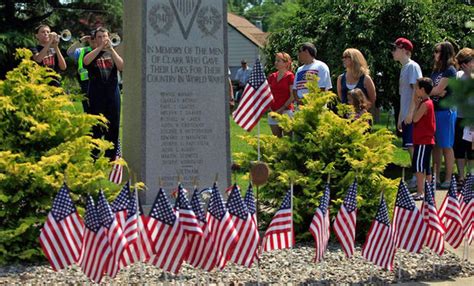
(320, 226)
(116, 174)
(61, 235)
(345, 222)
(256, 99)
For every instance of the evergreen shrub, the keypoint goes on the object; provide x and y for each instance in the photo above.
(319, 143)
(43, 137)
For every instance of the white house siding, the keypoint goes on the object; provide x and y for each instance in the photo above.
(240, 47)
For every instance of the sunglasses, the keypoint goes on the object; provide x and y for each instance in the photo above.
(437, 51)
(345, 57)
(394, 48)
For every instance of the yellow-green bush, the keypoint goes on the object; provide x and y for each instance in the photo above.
(320, 142)
(43, 137)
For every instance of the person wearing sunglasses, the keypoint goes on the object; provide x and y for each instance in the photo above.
(410, 72)
(462, 146)
(357, 75)
(443, 69)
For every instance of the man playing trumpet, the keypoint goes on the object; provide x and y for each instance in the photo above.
(102, 63)
(47, 52)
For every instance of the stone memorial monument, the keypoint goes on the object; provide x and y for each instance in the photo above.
(176, 105)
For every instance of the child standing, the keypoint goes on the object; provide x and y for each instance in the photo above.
(410, 71)
(424, 127)
(356, 98)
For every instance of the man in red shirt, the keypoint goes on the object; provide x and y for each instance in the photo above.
(424, 127)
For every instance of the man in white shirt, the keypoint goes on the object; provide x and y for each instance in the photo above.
(307, 56)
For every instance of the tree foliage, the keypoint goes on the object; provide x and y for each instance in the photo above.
(320, 143)
(370, 26)
(19, 18)
(43, 139)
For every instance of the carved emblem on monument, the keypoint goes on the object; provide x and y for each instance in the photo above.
(161, 18)
(209, 20)
(185, 11)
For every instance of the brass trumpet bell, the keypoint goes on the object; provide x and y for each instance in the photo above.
(115, 39)
(65, 35)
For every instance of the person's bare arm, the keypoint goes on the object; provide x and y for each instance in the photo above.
(419, 112)
(371, 93)
(440, 89)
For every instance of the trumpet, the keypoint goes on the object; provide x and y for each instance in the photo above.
(65, 35)
(115, 39)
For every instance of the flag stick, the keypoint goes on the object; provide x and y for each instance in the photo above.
(258, 141)
(292, 230)
(403, 174)
(399, 268)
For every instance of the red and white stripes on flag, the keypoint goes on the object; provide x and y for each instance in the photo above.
(280, 234)
(201, 251)
(96, 251)
(187, 217)
(61, 235)
(320, 225)
(246, 248)
(116, 174)
(256, 99)
(450, 214)
(345, 223)
(168, 239)
(435, 229)
(224, 237)
(408, 226)
(132, 252)
(117, 240)
(379, 247)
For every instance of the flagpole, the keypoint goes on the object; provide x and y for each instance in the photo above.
(292, 230)
(399, 256)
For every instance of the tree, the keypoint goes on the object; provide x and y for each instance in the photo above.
(19, 18)
(43, 138)
(371, 26)
(319, 143)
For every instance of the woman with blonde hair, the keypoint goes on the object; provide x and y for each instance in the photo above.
(281, 84)
(357, 75)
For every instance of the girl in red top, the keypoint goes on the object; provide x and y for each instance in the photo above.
(424, 127)
(281, 84)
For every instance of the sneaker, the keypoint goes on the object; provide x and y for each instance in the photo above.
(445, 185)
(417, 197)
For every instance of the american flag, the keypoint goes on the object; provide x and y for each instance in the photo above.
(96, 251)
(249, 200)
(345, 223)
(467, 208)
(116, 174)
(222, 229)
(450, 214)
(169, 241)
(320, 225)
(302, 78)
(379, 248)
(256, 99)
(408, 226)
(187, 216)
(120, 204)
(247, 245)
(131, 253)
(61, 235)
(201, 250)
(114, 233)
(279, 234)
(144, 243)
(435, 229)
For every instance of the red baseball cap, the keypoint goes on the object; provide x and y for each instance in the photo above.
(404, 44)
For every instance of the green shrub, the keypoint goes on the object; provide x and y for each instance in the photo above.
(43, 137)
(320, 142)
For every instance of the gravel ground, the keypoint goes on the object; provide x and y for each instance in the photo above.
(276, 267)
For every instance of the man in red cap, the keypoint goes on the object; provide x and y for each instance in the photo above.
(409, 73)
